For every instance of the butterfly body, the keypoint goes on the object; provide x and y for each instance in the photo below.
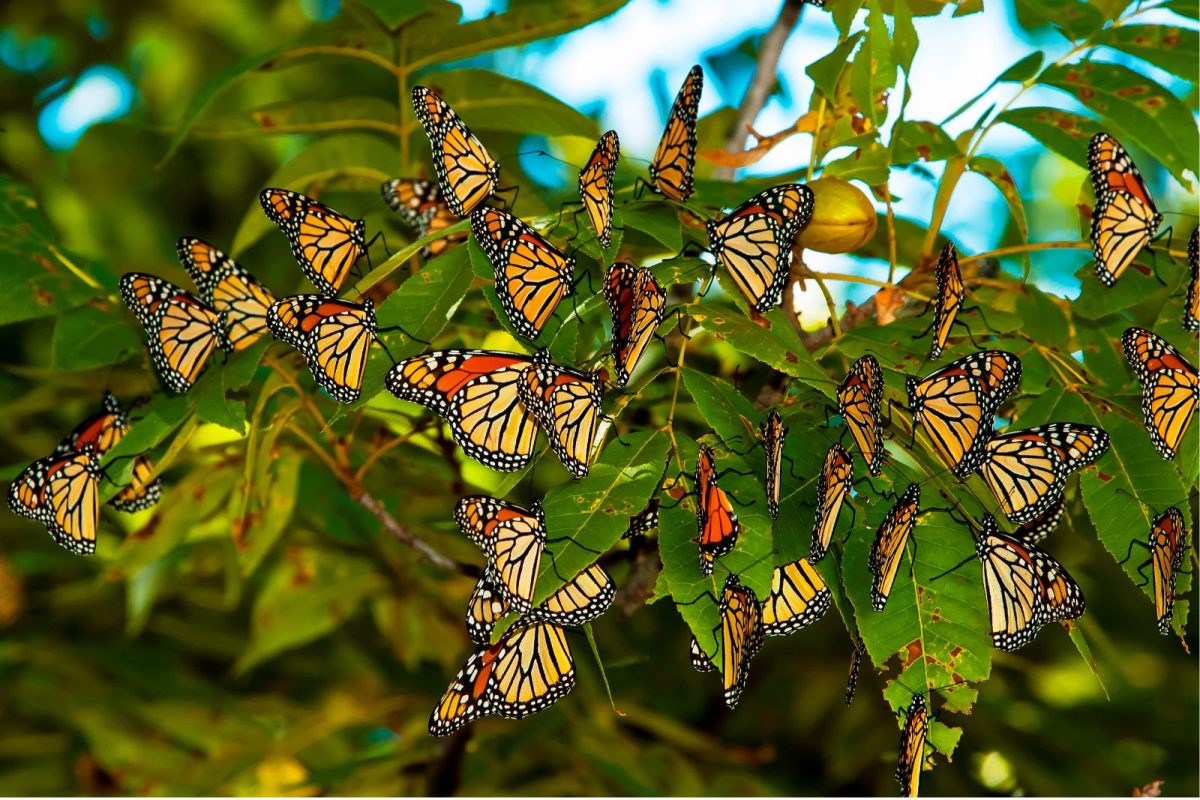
(773, 435)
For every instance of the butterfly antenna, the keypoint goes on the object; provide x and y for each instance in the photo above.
(401, 329)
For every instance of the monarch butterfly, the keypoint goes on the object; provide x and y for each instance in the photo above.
(860, 650)
(950, 293)
(832, 485)
(532, 276)
(528, 670)
(466, 174)
(773, 435)
(1025, 587)
(181, 331)
(1125, 218)
(799, 597)
(1027, 469)
(643, 522)
(888, 547)
(1169, 388)
(957, 402)
(484, 609)
(476, 391)
(1038, 528)
(566, 403)
(581, 600)
(741, 638)
(859, 398)
(636, 302)
(100, 433)
(325, 243)
(334, 336)
(596, 185)
(478, 515)
(718, 524)
(1191, 310)
(241, 302)
(675, 158)
(1167, 539)
(421, 205)
(911, 760)
(515, 557)
(755, 241)
(62, 491)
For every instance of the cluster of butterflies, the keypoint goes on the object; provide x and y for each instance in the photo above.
(495, 403)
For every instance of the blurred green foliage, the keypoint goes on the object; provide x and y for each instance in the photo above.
(262, 632)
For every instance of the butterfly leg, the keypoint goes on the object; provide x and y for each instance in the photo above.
(1129, 551)
(792, 469)
(509, 205)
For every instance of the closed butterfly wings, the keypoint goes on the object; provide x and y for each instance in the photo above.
(833, 484)
(675, 158)
(1191, 308)
(326, 244)
(467, 174)
(911, 759)
(567, 405)
(1168, 539)
(100, 433)
(334, 336)
(1125, 218)
(62, 492)
(636, 301)
(717, 523)
(181, 331)
(596, 185)
(947, 304)
(859, 398)
(241, 302)
(421, 205)
(1170, 388)
(887, 551)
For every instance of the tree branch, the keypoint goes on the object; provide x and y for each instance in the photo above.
(763, 80)
(399, 530)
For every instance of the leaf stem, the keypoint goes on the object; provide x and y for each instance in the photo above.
(1026, 248)
(342, 52)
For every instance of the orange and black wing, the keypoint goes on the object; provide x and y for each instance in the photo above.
(466, 174)
(239, 299)
(485, 608)
(584, 598)
(334, 336)
(1170, 389)
(567, 405)
(181, 331)
(478, 515)
(859, 398)
(950, 293)
(62, 492)
(888, 548)
(636, 302)
(773, 436)
(718, 524)
(1125, 218)
(532, 275)
(1191, 308)
(1167, 538)
(325, 243)
(596, 185)
(833, 484)
(799, 597)
(411, 198)
(477, 392)
(911, 759)
(741, 636)
(1027, 469)
(100, 433)
(675, 159)
(515, 558)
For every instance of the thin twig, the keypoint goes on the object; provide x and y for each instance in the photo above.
(399, 530)
(764, 78)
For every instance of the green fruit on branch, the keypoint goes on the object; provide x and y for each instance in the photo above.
(843, 218)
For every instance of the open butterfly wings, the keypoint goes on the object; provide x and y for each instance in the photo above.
(596, 185)
(950, 292)
(859, 398)
(755, 240)
(61, 491)
(181, 331)
(466, 174)
(1170, 389)
(100, 433)
(567, 405)
(1167, 539)
(675, 158)
(532, 276)
(833, 484)
(887, 550)
(911, 759)
(241, 302)
(1025, 587)
(334, 336)
(637, 302)
(717, 523)
(957, 403)
(326, 244)
(477, 393)
(1125, 218)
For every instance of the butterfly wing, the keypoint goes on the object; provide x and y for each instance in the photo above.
(1167, 537)
(515, 559)
(478, 515)
(534, 669)
(675, 159)
(773, 435)
(859, 398)
(532, 276)
(1170, 388)
(466, 174)
(567, 404)
(143, 491)
(636, 302)
(1191, 309)
(476, 391)
(832, 486)
(325, 243)
(950, 292)
(485, 607)
(181, 331)
(596, 185)
(334, 336)
(718, 524)
(741, 636)
(62, 492)
(888, 548)
(410, 198)
(1025, 472)
(799, 597)
(911, 759)
(700, 660)
(584, 598)
(1125, 217)
(241, 302)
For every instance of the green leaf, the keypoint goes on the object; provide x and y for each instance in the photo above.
(914, 141)
(827, 70)
(528, 22)
(1045, 322)
(772, 342)
(89, 336)
(369, 158)
(1024, 69)
(1136, 109)
(1138, 285)
(592, 513)
(309, 593)
(1072, 18)
(305, 116)
(394, 13)
(262, 509)
(873, 71)
(1177, 50)
(904, 36)
(1185, 8)
(1002, 179)
(214, 405)
(728, 413)
(844, 12)
(657, 220)
(488, 101)
(868, 164)
(1064, 132)
(149, 426)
